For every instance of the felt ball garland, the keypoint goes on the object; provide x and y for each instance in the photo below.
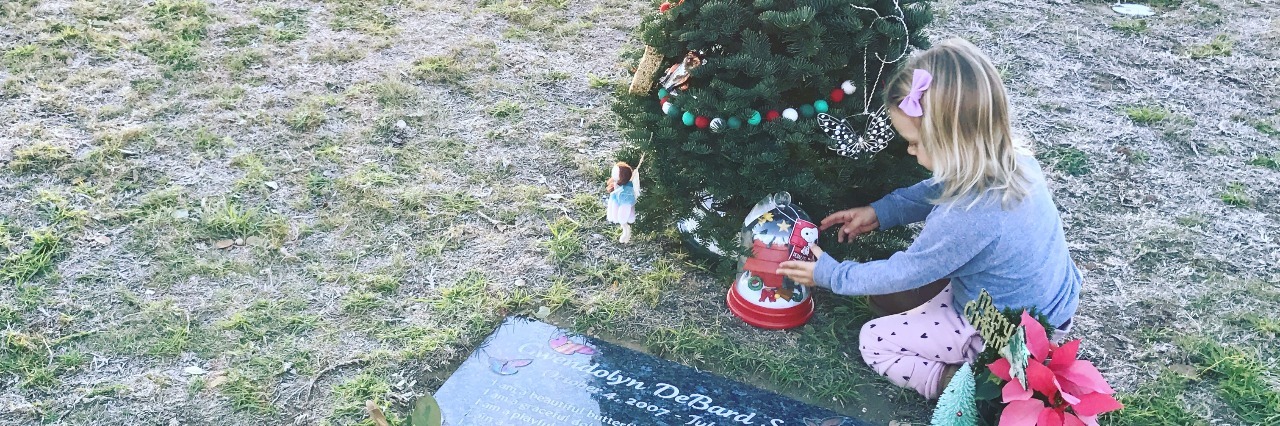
(719, 124)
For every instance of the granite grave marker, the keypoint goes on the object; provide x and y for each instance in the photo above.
(532, 373)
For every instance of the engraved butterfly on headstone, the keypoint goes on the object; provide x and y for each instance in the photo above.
(563, 345)
(829, 421)
(507, 367)
(850, 143)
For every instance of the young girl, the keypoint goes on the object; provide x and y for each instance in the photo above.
(624, 187)
(990, 223)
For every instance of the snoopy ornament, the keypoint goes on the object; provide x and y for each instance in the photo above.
(775, 231)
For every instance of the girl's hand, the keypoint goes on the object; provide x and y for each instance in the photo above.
(855, 222)
(800, 272)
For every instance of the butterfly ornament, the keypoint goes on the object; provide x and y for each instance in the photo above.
(849, 143)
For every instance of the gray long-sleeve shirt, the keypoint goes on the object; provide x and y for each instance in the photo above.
(1019, 255)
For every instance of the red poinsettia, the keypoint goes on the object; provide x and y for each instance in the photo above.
(1074, 390)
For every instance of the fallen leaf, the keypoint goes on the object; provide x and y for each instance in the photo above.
(375, 413)
(272, 184)
(215, 382)
(193, 371)
(222, 244)
(181, 214)
(256, 241)
(1185, 370)
(543, 313)
(103, 239)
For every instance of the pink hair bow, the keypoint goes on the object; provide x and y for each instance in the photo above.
(910, 105)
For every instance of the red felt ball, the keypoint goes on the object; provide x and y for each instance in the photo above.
(772, 115)
(837, 95)
(663, 100)
(702, 122)
(665, 7)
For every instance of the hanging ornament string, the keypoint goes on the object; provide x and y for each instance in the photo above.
(878, 131)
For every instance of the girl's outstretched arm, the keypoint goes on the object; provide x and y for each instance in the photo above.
(907, 205)
(948, 241)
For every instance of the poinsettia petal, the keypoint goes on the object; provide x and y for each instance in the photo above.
(1013, 391)
(1070, 398)
(1092, 404)
(1000, 368)
(1088, 420)
(1041, 379)
(1069, 419)
(1072, 388)
(1037, 338)
(1021, 413)
(1085, 375)
(1049, 417)
(1064, 355)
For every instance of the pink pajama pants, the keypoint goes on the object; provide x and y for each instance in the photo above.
(912, 348)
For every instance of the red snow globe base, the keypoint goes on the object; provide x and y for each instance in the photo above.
(775, 231)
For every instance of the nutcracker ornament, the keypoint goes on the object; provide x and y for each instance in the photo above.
(774, 232)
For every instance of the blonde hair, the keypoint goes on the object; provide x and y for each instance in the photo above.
(965, 127)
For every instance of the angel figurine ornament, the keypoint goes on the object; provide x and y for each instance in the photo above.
(624, 188)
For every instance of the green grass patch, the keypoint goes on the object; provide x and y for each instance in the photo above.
(565, 243)
(505, 109)
(823, 370)
(283, 24)
(58, 211)
(182, 28)
(1221, 45)
(204, 140)
(458, 64)
(240, 61)
(25, 357)
(226, 219)
(247, 395)
(1130, 26)
(352, 393)
(472, 307)
(361, 16)
(362, 303)
(1147, 114)
(1269, 161)
(39, 157)
(1236, 194)
(393, 92)
(158, 329)
(1067, 159)
(270, 319)
(307, 117)
(1159, 402)
(43, 250)
(1242, 381)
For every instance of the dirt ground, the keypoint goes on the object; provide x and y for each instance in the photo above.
(267, 212)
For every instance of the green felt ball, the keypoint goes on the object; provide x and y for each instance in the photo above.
(755, 118)
(821, 106)
(806, 110)
(688, 118)
(673, 111)
(735, 122)
(662, 93)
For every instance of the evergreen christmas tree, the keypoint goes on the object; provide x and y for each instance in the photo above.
(956, 406)
(738, 112)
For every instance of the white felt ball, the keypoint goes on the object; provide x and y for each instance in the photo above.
(848, 87)
(717, 124)
(666, 108)
(790, 114)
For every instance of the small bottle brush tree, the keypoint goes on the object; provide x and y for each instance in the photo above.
(764, 59)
